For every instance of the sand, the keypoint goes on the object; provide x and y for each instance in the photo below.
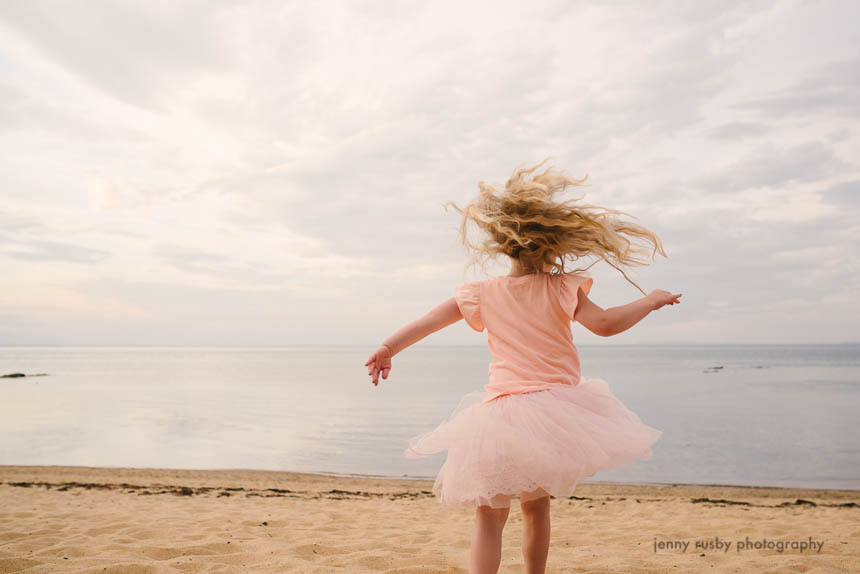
(107, 520)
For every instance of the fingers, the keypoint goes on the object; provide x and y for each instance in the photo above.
(670, 298)
(373, 370)
(378, 364)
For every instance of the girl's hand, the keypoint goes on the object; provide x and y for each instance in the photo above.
(658, 298)
(379, 362)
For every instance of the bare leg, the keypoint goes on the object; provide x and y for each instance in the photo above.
(536, 531)
(486, 553)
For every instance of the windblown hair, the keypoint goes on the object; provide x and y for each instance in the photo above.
(526, 224)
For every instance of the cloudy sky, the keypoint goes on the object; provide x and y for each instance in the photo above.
(218, 173)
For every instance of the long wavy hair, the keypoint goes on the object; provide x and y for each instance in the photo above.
(524, 223)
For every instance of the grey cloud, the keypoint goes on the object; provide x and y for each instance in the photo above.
(203, 262)
(129, 50)
(773, 167)
(839, 135)
(734, 131)
(21, 111)
(13, 246)
(187, 258)
(846, 193)
(351, 214)
(834, 88)
(664, 98)
(731, 258)
(41, 250)
(13, 221)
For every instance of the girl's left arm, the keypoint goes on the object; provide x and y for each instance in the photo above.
(437, 318)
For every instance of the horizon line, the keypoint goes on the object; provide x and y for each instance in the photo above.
(364, 346)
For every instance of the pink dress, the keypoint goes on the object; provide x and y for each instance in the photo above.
(538, 427)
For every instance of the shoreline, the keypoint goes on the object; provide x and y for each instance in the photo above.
(407, 478)
(227, 482)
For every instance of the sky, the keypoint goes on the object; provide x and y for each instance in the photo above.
(253, 173)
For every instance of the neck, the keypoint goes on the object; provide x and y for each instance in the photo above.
(518, 270)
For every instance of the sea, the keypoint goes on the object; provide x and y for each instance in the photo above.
(765, 415)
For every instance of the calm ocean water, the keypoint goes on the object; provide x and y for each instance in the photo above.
(780, 415)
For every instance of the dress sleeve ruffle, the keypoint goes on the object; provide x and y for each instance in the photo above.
(568, 294)
(468, 297)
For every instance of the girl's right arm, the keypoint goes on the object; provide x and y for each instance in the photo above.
(444, 314)
(608, 322)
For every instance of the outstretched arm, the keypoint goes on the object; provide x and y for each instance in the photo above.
(608, 322)
(437, 318)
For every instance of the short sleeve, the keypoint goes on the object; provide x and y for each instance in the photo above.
(468, 297)
(569, 292)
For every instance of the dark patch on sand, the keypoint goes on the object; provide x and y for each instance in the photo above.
(797, 502)
(226, 491)
(154, 489)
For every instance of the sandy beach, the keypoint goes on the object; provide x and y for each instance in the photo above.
(107, 520)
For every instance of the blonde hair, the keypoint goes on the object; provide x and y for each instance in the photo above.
(524, 223)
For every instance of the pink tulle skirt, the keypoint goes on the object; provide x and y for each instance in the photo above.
(532, 444)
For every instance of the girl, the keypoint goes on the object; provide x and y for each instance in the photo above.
(538, 426)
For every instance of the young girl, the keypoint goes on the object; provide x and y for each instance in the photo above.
(538, 427)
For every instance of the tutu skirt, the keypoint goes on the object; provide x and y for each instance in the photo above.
(532, 444)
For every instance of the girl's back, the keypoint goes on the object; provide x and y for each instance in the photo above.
(527, 319)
